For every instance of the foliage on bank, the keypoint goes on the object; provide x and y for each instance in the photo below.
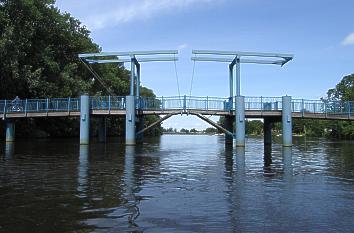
(39, 47)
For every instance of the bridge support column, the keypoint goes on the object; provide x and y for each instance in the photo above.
(287, 121)
(267, 131)
(228, 126)
(10, 131)
(130, 120)
(102, 129)
(84, 119)
(240, 120)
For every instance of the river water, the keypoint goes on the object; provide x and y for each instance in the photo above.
(176, 183)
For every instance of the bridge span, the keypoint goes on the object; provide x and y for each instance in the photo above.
(271, 109)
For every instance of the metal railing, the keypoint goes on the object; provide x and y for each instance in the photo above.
(182, 103)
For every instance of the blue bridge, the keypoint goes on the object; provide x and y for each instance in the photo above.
(134, 107)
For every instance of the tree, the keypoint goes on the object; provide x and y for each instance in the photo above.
(344, 90)
(39, 49)
(210, 130)
(193, 130)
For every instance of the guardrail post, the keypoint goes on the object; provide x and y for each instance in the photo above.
(130, 120)
(5, 108)
(184, 102)
(325, 109)
(10, 131)
(26, 107)
(69, 103)
(287, 121)
(240, 120)
(109, 104)
(261, 104)
(163, 103)
(207, 103)
(302, 108)
(84, 119)
(47, 105)
(348, 109)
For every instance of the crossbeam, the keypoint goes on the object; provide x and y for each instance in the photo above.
(130, 53)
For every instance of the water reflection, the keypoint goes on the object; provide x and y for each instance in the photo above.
(287, 163)
(267, 158)
(83, 169)
(9, 150)
(240, 161)
(132, 204)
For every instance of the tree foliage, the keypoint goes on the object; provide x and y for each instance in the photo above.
(39, 47)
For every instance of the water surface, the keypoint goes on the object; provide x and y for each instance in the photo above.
(176, 184)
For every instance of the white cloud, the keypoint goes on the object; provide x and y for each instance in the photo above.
(349, 40)
(120, 12)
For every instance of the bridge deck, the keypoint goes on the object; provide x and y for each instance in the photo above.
(256, 107)
(248, 114)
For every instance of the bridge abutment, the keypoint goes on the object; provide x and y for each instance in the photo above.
(84, 119)
(287, 121)
(130, 120)
(101, 129)
(228, 126)
(10, 131)
(240, 121)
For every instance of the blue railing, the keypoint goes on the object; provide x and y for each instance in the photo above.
(179, 103)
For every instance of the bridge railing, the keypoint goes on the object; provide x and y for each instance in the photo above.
(184, 103)
(40, 105)
(107, 102)
(263, 103)
(332, 108)
(208, 103)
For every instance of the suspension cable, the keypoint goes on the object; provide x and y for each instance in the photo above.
(177, 79)
(191, 86)
(98, 78)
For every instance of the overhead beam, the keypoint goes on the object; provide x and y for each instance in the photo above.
(130, 53)
(239, 53)
(162, 59)
(233, 60)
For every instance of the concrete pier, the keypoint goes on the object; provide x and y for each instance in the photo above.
(228, 126)
(130, 120)
(84, 119)
(287, 121)
(240, 120)
(10, 131)
(101, 128)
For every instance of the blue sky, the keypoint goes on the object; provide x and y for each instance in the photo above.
(320, 34)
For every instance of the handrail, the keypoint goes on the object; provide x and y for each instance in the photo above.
(207, 103)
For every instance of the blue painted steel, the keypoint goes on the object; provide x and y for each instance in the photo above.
(238, 77)
(302, 106)
(287, 121)
(130, 120)
(132, 76)
(10, 131)
(84, 120)
(138, 81)
(240, 120)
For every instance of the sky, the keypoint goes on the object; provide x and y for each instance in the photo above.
(319, 33)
